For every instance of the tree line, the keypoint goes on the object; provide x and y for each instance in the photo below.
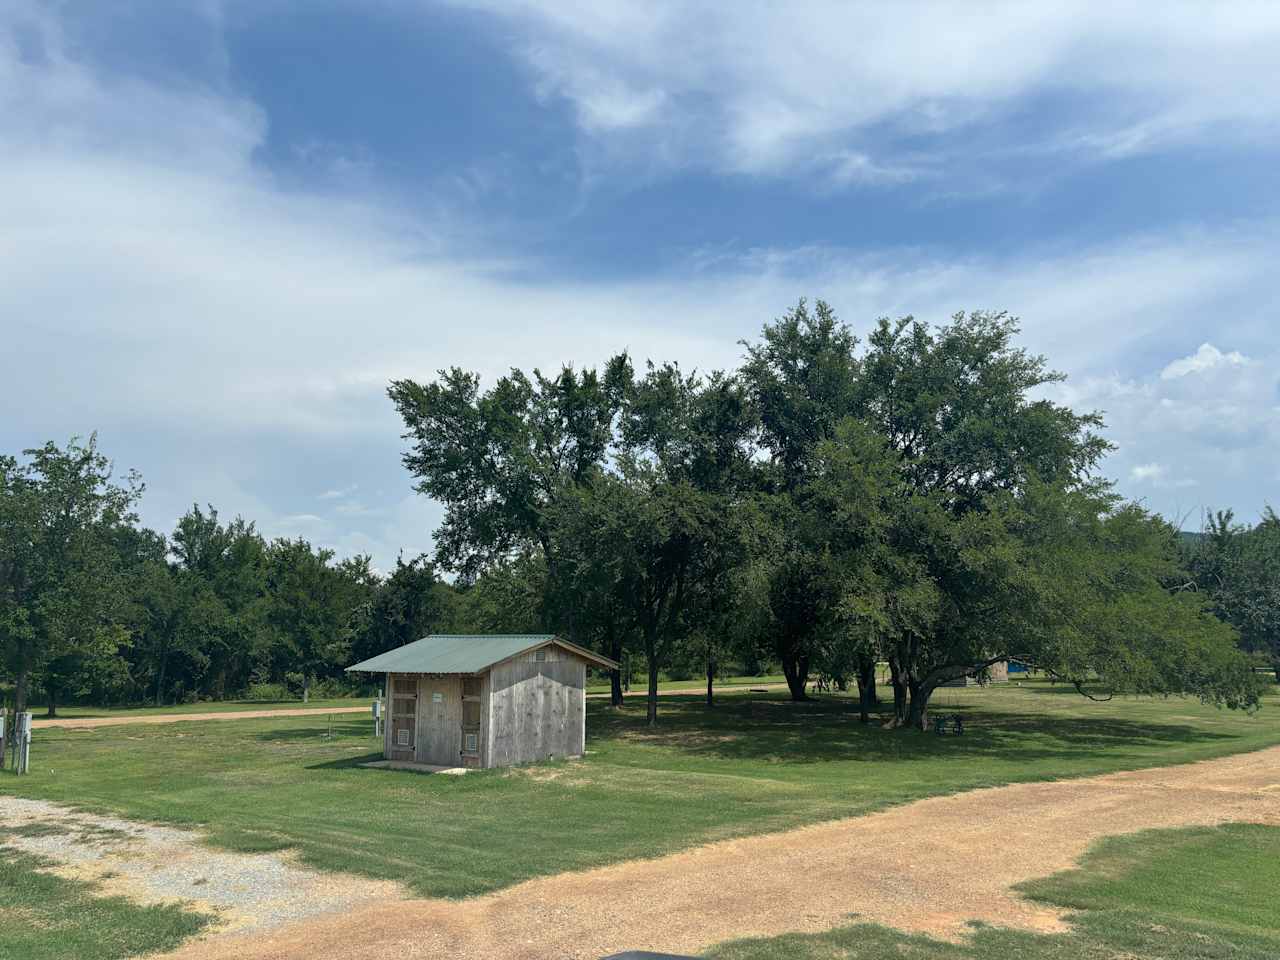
(830, 504)
(827, 506)
(94, 606)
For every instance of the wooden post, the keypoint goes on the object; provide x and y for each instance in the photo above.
(22, 743)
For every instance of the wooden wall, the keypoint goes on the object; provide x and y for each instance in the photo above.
(536, 709)
(439, 739)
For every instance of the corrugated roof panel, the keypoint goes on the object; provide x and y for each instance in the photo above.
(451, 653)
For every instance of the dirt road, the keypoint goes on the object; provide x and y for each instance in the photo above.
(86, 722)
(928, 866)
(83, 723)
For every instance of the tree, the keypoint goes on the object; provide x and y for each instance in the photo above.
(230, 560)
(801, 378)
(406, 606)
(181, 613)
(313, 608)
(1238, 567)
(499, 460)
(60, 592)
(653, 537)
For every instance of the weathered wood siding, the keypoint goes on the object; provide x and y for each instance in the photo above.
(536, 709)
(439, 738)
(486, 688)
(401, 714)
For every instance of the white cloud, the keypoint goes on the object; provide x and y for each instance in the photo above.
(234, 341)
(1147, 471)
(766, 88)
(1206, 358)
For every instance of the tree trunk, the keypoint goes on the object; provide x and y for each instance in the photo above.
(918, 718)
(898, 678)
(796, 670)
(615, 676)
(306, 688)
(164, 662)
(51, 688)
(867, 697)
(1275, 665)
(653, 685)
(711, 673)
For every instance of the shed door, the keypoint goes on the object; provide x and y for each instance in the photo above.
(404, 717)
(440, 730)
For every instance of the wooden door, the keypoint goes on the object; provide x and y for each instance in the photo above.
(402, 727)
(440, 724)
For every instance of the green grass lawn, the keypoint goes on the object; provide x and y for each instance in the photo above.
(1194, 894)
(754, 763)
(75, 712)
(44, 917)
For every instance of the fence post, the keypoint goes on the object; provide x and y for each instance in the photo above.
(2, 743)
(22, 743)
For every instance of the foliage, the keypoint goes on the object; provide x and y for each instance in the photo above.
(1238, 568)
(60, 592)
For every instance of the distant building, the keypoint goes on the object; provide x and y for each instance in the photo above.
(996, 673)
(464, 700)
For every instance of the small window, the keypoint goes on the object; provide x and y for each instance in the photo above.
(540, 655)
(402, 737)
(471, 743)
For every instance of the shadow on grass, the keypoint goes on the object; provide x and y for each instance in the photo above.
(772, 728)
(345, 763)
(318, 729)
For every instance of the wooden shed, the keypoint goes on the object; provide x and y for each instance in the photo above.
(468, 700)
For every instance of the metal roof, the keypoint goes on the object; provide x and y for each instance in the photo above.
(465, 653)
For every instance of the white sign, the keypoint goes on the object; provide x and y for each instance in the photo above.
(437, 698)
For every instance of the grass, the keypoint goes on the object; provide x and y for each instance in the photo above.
(1193, 894)
(45, 917)
(75, 712)
(753, 764)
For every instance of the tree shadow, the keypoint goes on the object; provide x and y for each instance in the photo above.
(345, 763)
(318, 728)
(770, 728)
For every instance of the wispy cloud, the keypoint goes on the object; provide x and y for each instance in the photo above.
(770, 89)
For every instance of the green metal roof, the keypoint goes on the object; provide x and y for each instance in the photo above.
(463, 653)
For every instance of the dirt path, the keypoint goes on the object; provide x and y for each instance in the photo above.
(154, 864)
(82, 723)
(929, 866)
(85, 722)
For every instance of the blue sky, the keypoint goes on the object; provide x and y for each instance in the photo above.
(229, 224)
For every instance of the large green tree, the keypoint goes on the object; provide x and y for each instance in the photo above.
(801, 377)
(60, 590)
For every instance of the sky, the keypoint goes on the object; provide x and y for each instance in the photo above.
(225, 226)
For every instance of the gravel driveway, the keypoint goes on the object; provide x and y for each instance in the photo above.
(152, 864)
